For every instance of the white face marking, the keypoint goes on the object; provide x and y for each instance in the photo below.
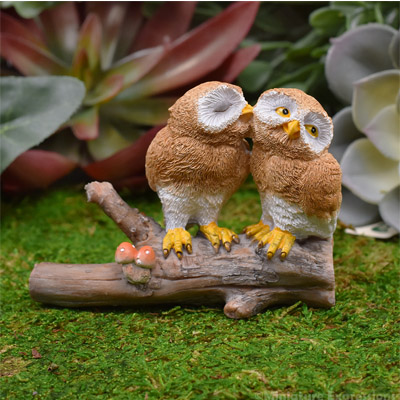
(325, 131)
(133, 246)
(265, 109)
(122, 250)
(138, 261)
(219, 108)
(147, 252)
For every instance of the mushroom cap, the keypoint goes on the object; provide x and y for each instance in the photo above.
(126, 253)
(146, 257)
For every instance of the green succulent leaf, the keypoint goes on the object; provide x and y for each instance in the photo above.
(368, 173)
(356, 54)
(394, 50)
(357, 212)
(29, 9)
(384, 132)
(255, 76)
(32, 109)
(375, 111)
(345, 132)
(327, 19)
(389, 208)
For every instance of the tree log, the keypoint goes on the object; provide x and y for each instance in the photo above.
(244, 279)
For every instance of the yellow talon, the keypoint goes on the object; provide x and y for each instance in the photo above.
(278, 239)
(216, 235)
(176, 239)
(252, 230)
(286, 245)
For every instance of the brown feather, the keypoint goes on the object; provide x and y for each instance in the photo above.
(183, 154)
(292, 170)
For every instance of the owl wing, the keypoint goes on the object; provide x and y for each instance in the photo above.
(158, 159)
(322, 187)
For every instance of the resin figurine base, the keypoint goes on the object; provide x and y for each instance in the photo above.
(244, 279)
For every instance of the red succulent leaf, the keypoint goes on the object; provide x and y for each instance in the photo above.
(35, 169)
(89, 42)
(129, 29)
(112, 16)
(229, 70)
(13, 27)
(138, 64)
(199, 51)
(85, 124)
(105, 90)
(80, 65)
(29, 58)
(61, 27)
(150, 111)
(172, 19)
(125, 163)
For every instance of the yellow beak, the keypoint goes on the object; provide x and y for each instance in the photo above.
(248, 109)
(292, 128)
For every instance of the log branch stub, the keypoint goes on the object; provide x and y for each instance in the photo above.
(243, 279)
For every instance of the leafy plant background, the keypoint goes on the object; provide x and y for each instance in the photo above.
(290, 40)
(184, 352)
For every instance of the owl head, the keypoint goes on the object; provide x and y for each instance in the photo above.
(291, 123)
(212, 111)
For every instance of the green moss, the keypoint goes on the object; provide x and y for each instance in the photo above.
(180, 352)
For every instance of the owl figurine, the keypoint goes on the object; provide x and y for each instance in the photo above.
(298, 180)
(198, 161)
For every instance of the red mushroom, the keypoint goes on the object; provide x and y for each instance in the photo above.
(146, 257)
(126, 253)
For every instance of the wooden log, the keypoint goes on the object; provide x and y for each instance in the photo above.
(243, 279)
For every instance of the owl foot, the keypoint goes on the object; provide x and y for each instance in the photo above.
(215, 235)
(257, 231)
(278, 239)
(175, 239)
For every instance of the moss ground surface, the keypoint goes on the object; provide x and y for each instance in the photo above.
(178, 352)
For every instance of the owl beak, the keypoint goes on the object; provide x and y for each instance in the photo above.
(292, 128)
(247, 110)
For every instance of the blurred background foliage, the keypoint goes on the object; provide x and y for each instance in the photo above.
(295, 38)
(285, 47)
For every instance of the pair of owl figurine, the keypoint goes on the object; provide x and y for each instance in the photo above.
(201, 158)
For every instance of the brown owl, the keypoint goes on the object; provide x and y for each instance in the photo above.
(298, 180)
(198, 161)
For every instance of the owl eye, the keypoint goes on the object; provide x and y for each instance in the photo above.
(312, 130)
(283, 112)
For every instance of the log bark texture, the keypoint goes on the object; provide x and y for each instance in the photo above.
(243, 279)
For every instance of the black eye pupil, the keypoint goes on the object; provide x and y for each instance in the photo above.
(313, 130)
(285, 111)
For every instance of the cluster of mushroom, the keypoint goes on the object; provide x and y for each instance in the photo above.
(127, 253)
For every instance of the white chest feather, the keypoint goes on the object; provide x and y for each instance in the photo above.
(290, 217)
(190, 206)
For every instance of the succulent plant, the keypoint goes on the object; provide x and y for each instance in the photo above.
(133, 69)
(362, 69)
